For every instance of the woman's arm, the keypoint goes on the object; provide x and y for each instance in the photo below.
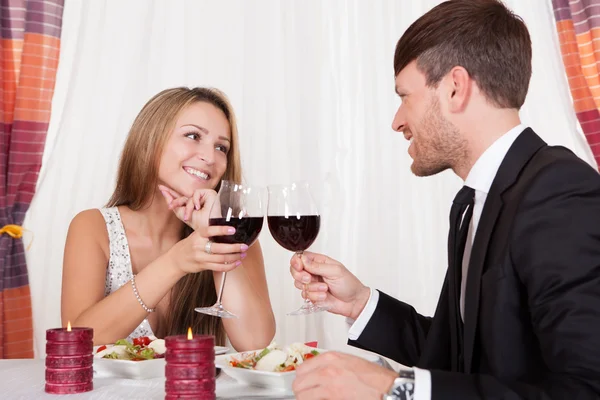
(84, 274)
(246, 295)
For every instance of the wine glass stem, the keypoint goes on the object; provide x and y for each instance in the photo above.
(221, 288)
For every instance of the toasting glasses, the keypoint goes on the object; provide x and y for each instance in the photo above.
(241, 207)
(294, 223)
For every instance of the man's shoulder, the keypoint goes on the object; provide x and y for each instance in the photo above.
(556, 171)
(561, 162)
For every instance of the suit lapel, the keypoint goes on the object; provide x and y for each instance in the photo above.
(521, 151)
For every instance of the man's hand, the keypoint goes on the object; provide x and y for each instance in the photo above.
(328, 283)
(333, 375)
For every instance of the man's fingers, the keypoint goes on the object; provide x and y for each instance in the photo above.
(302, 276)
(319, 258)
(317, 287)
(320, 363)
(325, 270)
(296, 263)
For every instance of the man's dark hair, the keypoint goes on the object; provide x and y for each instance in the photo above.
(482, 36)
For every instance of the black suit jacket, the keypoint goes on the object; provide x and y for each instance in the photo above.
(532, 302)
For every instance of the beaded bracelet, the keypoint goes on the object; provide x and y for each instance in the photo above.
(139, 299)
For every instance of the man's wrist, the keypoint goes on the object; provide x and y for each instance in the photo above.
(362, 298)
(403, 387)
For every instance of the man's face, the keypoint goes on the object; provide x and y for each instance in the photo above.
(435, 143)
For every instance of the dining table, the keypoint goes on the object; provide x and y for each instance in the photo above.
(25, 379)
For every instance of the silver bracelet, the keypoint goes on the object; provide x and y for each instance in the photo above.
(139, 299)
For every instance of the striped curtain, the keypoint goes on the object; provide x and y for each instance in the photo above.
(578, 24)
(30, 41)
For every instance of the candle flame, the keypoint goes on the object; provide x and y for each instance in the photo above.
(190, 333)
(69, 326)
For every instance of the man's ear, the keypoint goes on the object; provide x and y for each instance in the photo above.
(457, 89)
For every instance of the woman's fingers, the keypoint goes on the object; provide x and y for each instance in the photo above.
(178, 202)
(219, 230)
(221, 248)
(189, 208)
(198, 199)
(167, 189)
(218, 267)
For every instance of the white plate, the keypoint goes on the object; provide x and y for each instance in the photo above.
(126, 369)
(274, 380)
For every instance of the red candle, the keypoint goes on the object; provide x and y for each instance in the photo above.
(182, 371)
(69, 360)
(190, 367)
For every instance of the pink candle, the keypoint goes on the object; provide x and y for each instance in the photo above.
(190, 367)
(182, 371)
(69, 360)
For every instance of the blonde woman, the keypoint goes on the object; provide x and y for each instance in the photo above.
(135, 268)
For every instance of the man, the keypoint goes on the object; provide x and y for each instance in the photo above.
(519, 312)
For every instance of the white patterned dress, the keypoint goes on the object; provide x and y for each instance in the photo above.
(119, 272)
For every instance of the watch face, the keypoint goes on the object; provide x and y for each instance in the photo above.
(403, 388)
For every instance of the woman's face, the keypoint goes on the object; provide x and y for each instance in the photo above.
(195, 156)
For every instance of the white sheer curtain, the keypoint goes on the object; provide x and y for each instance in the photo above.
(312, 83)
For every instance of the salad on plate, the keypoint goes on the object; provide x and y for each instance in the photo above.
(274, 359)
(140, 349)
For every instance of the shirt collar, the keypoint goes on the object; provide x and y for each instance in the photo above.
(484, 170)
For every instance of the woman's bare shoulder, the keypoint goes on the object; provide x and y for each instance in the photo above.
(89, 225)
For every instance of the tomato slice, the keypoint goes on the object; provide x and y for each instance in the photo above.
(308, 355)
(311, 344)
(101, 348)
(141, 341)
(288, 368)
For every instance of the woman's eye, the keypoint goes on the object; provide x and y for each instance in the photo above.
(222, 148)
(192, 135)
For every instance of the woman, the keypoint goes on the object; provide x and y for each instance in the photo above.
(135, 268)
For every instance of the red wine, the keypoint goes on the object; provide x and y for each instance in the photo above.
(294, 233)
(246, 229)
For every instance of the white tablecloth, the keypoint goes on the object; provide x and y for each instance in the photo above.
(24, 379)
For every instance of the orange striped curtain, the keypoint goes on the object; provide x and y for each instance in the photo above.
(578, 24)
(30, 43)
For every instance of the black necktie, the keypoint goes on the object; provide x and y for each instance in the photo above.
(457, 239)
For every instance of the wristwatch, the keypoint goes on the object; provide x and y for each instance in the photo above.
(403, 387)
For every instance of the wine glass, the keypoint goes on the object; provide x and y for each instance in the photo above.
(241, 207)
(294, 223)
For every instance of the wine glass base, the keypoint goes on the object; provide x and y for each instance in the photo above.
(308, 308)
(216, 310)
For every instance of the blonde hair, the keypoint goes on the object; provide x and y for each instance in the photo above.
(137, 180)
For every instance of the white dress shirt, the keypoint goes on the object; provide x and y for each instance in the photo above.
(480, 178)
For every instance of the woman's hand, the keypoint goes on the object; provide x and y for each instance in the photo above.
(197, 252)
(195, 210)
(192, 254)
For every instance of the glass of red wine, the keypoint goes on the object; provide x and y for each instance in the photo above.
(241, 207)
(294, 223)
